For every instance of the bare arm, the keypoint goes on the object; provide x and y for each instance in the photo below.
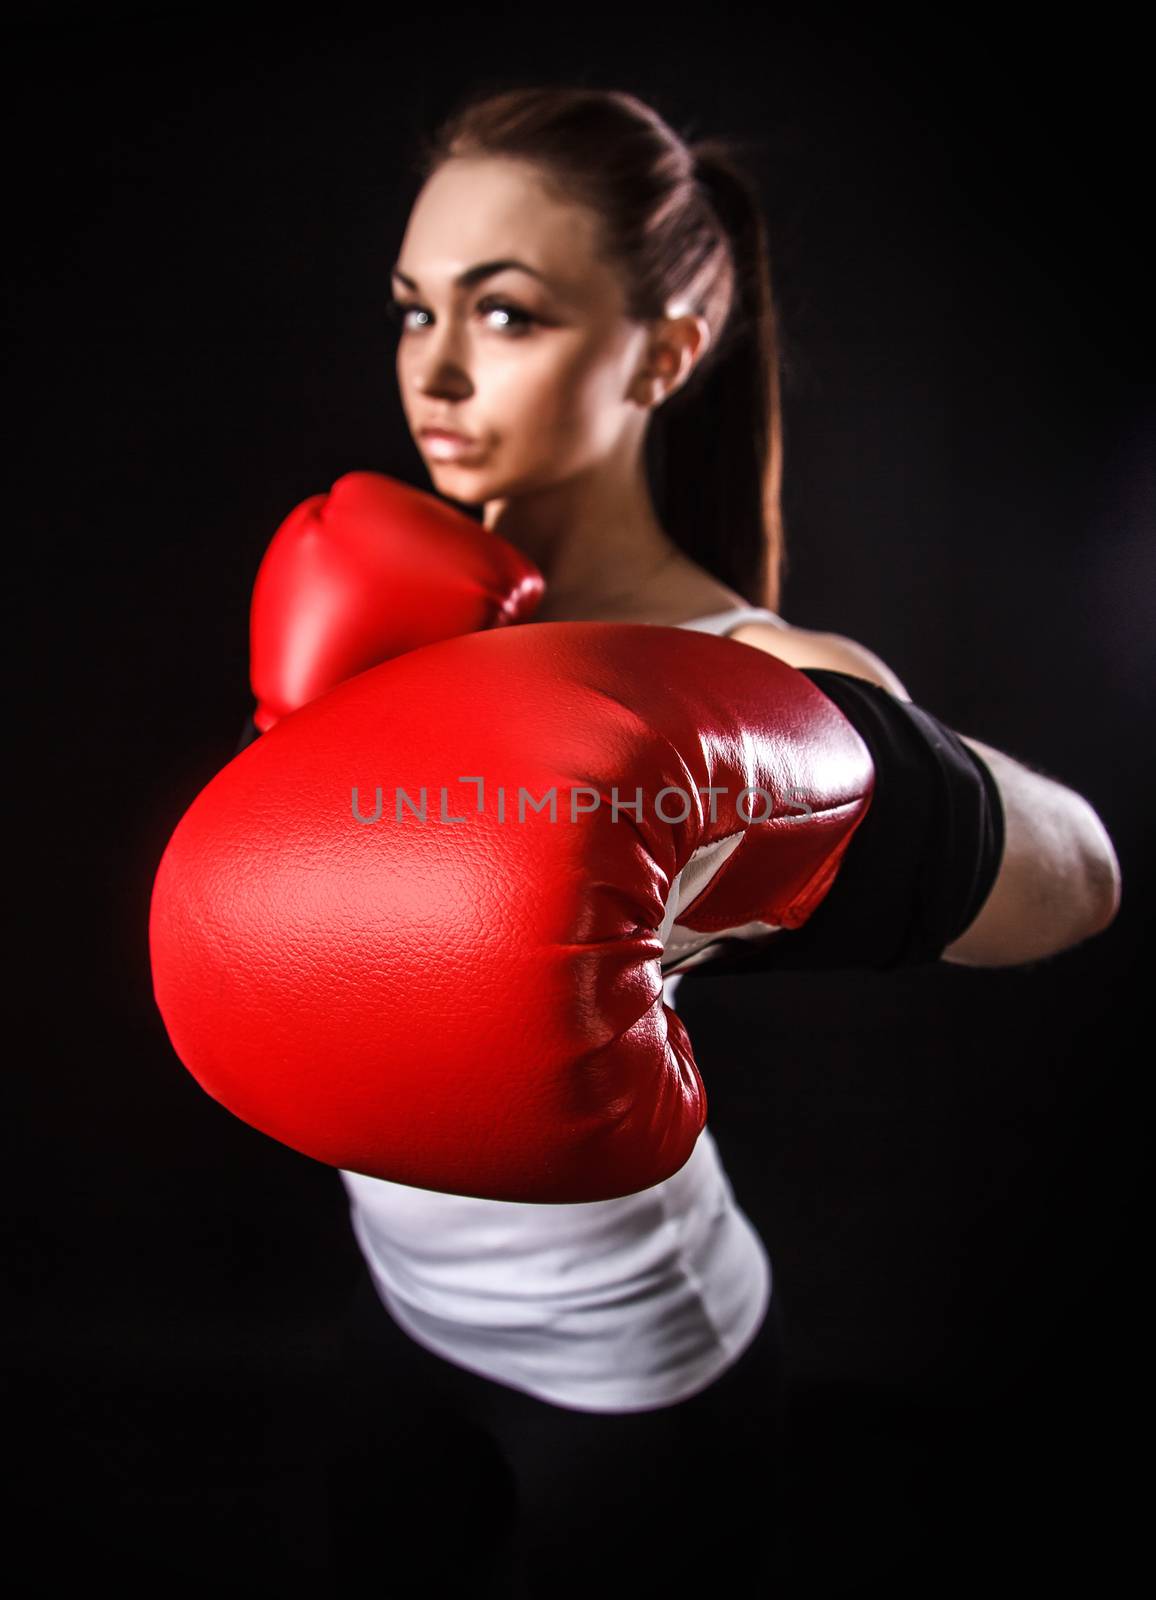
(1059, 880)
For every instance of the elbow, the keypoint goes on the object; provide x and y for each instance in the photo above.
(1103, 885)
(1095, 900)
(1104, 882)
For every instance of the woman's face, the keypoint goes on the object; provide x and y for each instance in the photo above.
(535, 366)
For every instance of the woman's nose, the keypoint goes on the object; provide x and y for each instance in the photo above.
(444, 379)
(442, 369)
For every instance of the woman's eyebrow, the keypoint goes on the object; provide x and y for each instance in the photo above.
(475, 274)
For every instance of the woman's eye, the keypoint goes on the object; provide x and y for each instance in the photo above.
(399, 310)
(515, 319)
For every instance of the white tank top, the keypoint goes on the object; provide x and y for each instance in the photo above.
(608, 1305)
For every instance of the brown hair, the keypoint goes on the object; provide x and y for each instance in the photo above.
(681, 222)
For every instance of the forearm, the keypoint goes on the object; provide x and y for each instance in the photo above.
(1059, 880)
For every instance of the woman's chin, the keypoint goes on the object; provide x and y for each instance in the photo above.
(464, 476)
(470, 484)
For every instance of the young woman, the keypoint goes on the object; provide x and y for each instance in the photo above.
(545, 1398)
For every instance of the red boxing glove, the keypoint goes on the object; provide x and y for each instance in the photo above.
(369, 571)
(471, 1000)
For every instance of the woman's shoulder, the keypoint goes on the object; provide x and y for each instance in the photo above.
(809, 647)
(694, 594)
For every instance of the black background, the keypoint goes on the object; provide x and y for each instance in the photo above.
(944, 1164)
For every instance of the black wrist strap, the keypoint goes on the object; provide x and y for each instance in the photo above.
(921, 863)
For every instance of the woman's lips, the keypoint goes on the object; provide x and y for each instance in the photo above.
(445, 446)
